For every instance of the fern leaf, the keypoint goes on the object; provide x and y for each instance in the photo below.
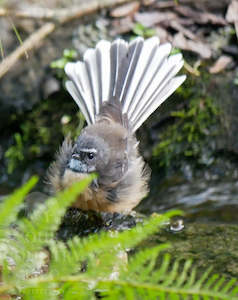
(203, 278)
(143, 262)
(218, 284)
(190, 281)
(161, 273)
(76, 291)
(10, 206)
(171, 276)
(67, 278)
(103, 242)
(170, 285)
(210, 281)
(42, 291)
(234, 292)
(183, 277)
(31, 235)
(228, 285)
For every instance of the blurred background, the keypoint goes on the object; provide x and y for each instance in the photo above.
(190, 142)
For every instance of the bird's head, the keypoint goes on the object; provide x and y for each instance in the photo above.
(90, 154)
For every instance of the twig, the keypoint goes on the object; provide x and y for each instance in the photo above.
(18, 36)
(32, 42)
(61, 16)
(192, 70)
(1, 49)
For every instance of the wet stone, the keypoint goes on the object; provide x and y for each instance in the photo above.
(82, 223)
(208, 245)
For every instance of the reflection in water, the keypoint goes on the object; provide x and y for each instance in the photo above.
(176, 225)
(202, 200)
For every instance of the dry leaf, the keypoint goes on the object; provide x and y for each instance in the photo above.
(122, 25)
(166, 4)
(200, 17)
(163, 34)
(181, 42)
(222, 62)
(125, 10)
(149, 19)
(231, 50)
(177, 26)
(185, 21)
(148, 2)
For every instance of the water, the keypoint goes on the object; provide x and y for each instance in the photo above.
(202, 200)
(207, 233)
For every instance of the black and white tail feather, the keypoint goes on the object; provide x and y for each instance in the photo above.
(141, 75)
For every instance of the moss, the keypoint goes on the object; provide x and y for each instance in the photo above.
(190, 136)
(59, 64)
(143, 31)
(42, 131)
(14, 154)
(207, 245)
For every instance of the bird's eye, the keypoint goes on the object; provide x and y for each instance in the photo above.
(90, 155)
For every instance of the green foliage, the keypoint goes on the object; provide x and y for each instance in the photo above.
(32, 234)
(68, 125)
(141, 30)
(59, 64)
(92, 267)
(10, 208)
(45, 126)
(17, 35)
(14, 154)
(175, 51)
(188, 138)
(38, 133)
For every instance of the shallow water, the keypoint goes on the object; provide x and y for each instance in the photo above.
(202, 200)
(207, 233)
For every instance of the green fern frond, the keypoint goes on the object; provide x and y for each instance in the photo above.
(65, 259)
(142, 278)
(34, 234)
(10, 206)
(43, 223)
(143, 262)
(92, 267)
(41, 291)
(170, 284)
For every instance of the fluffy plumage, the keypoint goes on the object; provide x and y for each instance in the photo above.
(117, 87)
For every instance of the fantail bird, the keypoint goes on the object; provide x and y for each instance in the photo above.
(117, 87)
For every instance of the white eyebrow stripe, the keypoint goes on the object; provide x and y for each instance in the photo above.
(93, 150)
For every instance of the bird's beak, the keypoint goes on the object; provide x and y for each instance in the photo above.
(77, 166)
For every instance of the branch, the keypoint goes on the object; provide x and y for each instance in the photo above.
(32, 42)
(61, 16)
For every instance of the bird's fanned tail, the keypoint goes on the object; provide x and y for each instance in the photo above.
(141, 75)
